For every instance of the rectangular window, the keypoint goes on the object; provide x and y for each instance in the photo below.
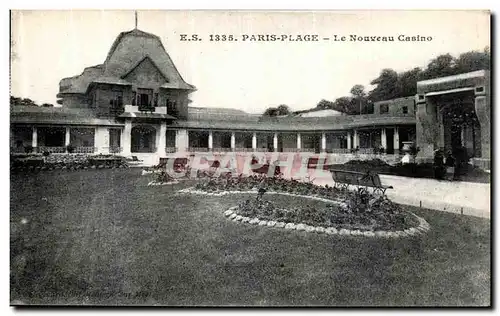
(384, 108)
(156, 99)
(405, 110)
(172, 107)
(145, 99)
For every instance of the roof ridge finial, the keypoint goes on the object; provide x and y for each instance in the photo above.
(136, 20)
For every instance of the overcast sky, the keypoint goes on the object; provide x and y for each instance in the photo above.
(51, 45)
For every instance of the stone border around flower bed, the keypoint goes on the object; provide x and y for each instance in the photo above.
(422, 227)
(148, 172)
(155, 183)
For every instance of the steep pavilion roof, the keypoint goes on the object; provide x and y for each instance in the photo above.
(127, 51)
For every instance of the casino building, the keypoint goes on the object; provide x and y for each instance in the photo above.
(136, 103)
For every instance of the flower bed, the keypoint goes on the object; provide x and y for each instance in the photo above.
(66, 162)
(382, 215)
(358, 211)
(275, 184)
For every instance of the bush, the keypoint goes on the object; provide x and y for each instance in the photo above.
(46, 153)
(28, 149)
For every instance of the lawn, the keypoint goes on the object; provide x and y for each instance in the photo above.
(104, 237)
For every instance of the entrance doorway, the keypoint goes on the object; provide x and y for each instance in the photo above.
(143, 139)
(461, 125)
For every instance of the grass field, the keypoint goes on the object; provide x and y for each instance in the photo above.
(104, 237)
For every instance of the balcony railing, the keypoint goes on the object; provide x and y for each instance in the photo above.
(137, 149)
(222, 150)
(263, 150)
(290, 150)
(84, 150)
(170, 149)
(243, 150)
(115, 150)
(365, 151)
(198, 149)
(307, 150)
(17, 150)
(146, 108)
(339, 151)
(52, 149)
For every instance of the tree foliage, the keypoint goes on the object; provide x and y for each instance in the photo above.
(390, 85)
(15, 101)
(282, 109)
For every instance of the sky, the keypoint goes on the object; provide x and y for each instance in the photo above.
(47, 46)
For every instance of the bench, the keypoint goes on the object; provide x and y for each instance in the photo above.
(344, 179)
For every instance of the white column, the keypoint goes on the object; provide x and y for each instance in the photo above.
(299, 141)
(383, 138)
(349, 145)
(275, 142)
(126, 138)
(355, 139)
(233, 141)
(34, 139)
(323, 142)
(462, 135)
(254, 141)
(210, 140)
(181, 140)
(162, 142)
(396, 140)
(67, 137)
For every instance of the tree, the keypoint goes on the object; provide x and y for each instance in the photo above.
(385, 86)
(407, 82)
(325, 104)
(358, 91)
(283, 109)
(277, 111)
(441, 66)
(22, 102)
(48, 105)
(359, 97)
(270, 112)
(345, 104)
(472, 61)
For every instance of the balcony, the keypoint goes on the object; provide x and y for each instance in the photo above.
(146, 108)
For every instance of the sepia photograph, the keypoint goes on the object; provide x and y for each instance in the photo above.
(239, 158)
